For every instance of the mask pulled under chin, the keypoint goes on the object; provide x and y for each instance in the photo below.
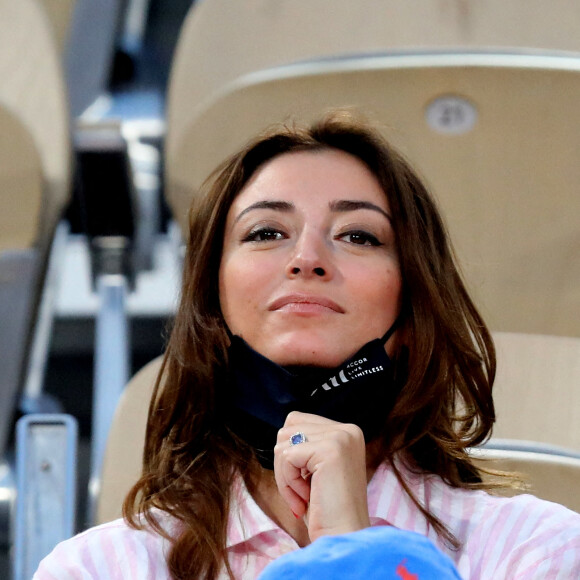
(362, 390)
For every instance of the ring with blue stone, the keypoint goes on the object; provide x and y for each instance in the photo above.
(298, 438)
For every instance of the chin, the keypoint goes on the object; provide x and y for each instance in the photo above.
(312, 357)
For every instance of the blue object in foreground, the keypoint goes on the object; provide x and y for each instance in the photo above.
(373, 553)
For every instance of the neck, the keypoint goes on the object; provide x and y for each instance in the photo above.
(265, 494)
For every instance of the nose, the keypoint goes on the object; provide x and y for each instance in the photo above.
(311, 257)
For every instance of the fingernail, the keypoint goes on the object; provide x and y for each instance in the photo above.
(295, 515)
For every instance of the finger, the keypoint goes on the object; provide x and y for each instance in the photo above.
(339, 446)
(303, 458)
(310, 432)
(291, 474)
(314, 431)
(296, 417)
(346, 433)
(296, 504)
(296, 467)
(293, 488)
(337, 501)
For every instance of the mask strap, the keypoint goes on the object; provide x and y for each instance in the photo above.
(392, 329)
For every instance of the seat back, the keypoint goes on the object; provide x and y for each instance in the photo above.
(223, 40)
(60, 14)
(21, 184)
(34, 180)
(235, 72)
(124, 453)
(34, 136)
(537, 389)
(548, 476)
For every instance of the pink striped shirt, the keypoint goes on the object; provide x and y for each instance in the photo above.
(502, 539)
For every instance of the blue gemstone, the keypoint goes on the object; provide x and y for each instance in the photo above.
(297, 438)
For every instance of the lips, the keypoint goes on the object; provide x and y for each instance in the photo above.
(305, 301)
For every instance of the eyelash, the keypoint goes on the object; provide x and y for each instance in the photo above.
(367, 238)
(256, 235)
(264, 234)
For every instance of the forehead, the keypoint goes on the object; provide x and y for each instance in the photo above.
(308, 175)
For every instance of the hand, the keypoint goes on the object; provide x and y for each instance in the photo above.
(323, 479)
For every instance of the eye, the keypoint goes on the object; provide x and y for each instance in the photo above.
(360, 238)
(264, 234)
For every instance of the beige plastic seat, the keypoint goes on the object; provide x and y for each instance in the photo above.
(124, 453)
(34, 180)
(548, 476)
(537, 391)
(60, 14)
(33, 104)
(537, 397)
(222, 40)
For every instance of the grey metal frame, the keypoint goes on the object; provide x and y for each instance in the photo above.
(19, 276)
(34, 400)
(524, 446)
(46, 446)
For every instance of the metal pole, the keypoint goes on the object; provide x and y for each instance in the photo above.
(111, 372)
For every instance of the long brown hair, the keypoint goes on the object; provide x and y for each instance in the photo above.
(191, 458)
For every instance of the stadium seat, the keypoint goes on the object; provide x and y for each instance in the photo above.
(125, 443)
(34, 182)
(221, 41)
(537, 391)
(550, 476)
(60, 15)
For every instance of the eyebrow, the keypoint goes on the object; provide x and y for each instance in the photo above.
(343, 205)
(284, 206)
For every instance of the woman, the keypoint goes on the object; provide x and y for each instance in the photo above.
(326, 372)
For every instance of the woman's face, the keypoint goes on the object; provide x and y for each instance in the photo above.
(309, 271)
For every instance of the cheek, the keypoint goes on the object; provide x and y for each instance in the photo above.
(242, 287)
(393, 288)
(378, 305)
(380, 292)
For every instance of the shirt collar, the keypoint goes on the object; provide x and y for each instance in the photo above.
(389, 503)
(246, 519)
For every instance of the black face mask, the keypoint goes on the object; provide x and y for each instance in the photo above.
(362, 390)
